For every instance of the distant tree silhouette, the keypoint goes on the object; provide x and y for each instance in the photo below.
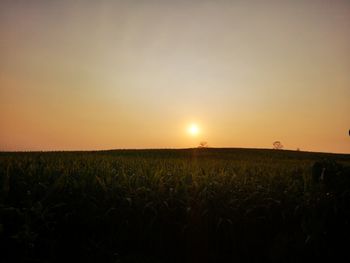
(203, 144)
(277, 145)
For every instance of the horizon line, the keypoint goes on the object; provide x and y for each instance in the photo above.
(170, 148)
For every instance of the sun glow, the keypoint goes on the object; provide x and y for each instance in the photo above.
(193, 129)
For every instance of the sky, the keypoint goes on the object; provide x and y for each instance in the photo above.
(92, 75)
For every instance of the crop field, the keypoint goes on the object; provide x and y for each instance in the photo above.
(191, 205)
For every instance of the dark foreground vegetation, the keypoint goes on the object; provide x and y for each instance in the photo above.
(195, 205)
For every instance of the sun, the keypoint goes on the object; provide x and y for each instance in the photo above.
(193, 129)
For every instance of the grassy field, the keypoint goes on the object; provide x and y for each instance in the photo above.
(193, 205)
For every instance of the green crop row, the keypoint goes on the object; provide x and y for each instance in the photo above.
(171, 206)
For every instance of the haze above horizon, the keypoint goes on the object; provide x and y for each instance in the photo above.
(92, 75)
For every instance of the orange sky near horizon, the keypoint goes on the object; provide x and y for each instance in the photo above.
(92, 75)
